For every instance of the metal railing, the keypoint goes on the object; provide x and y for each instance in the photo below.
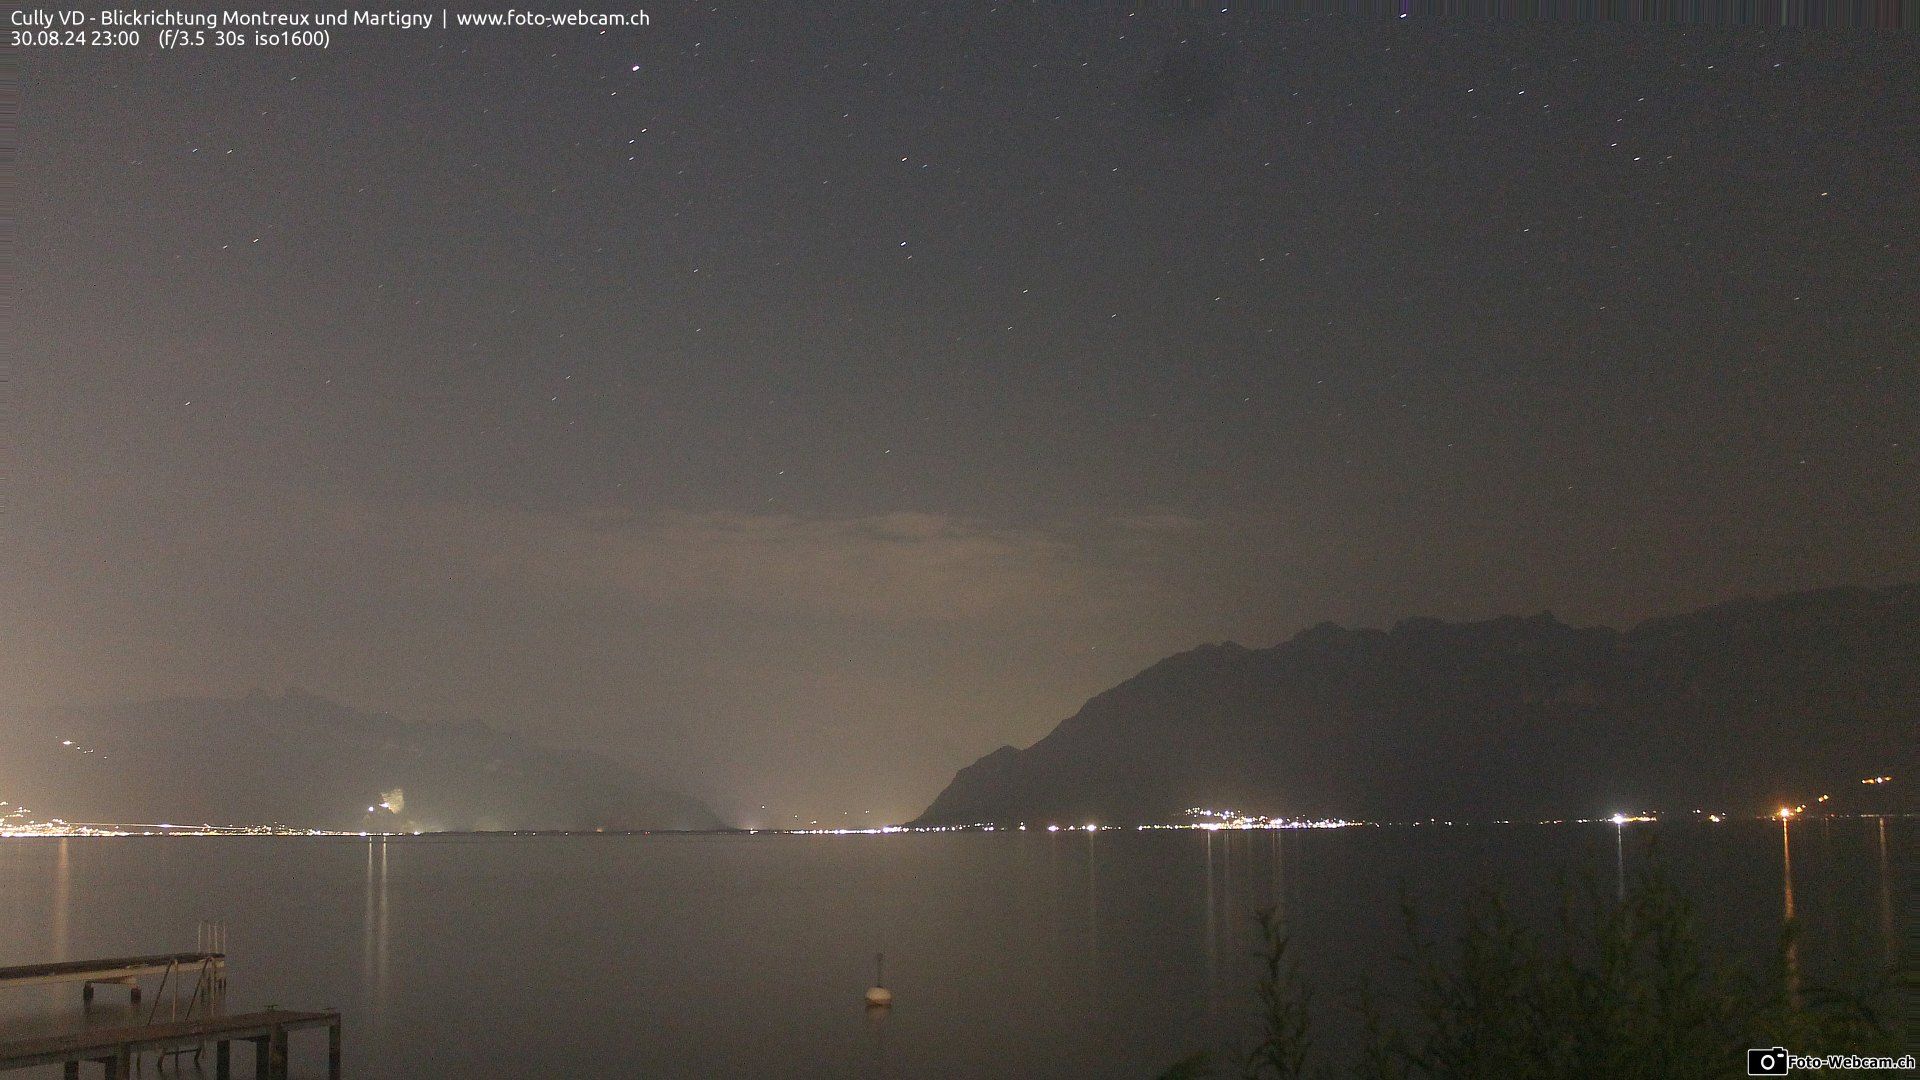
(209, 987)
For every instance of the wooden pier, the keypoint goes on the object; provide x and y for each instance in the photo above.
(120, 970)
(115, 1048)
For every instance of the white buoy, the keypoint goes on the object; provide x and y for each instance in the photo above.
(878, 996)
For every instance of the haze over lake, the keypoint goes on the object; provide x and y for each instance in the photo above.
(1012, 954)
(544, 542)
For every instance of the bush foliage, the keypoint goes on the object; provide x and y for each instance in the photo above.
(1621, 989)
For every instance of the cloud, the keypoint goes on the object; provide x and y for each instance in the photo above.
(1161, 523)
(903, 565)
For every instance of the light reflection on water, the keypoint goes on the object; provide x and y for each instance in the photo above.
(375, 937)
(1212, 936)
(1093, 908)
(1012, 954)
(1787, 916)
(1620, 860)
(62, 899)
(1891, 947)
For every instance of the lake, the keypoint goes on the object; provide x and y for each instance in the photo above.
(1012, 954)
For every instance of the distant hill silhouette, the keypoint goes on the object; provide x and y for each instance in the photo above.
(1735, 707)
(305, 761)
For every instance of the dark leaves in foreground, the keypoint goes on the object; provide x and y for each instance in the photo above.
(1623, 989)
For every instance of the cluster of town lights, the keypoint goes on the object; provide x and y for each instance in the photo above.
(1198, 818)
(1202, 818)
(17, 821)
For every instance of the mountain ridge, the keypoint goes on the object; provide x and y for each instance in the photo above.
(1509, 716)
(303, 760)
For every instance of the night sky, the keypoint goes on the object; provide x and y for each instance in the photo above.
(803, 402)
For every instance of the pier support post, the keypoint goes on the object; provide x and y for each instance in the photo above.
(71, 1070)
(333, 1050)
(223, 1060)
(260, 1058)
(277, 1054)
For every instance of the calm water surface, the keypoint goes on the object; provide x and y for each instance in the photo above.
(1011, 954)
